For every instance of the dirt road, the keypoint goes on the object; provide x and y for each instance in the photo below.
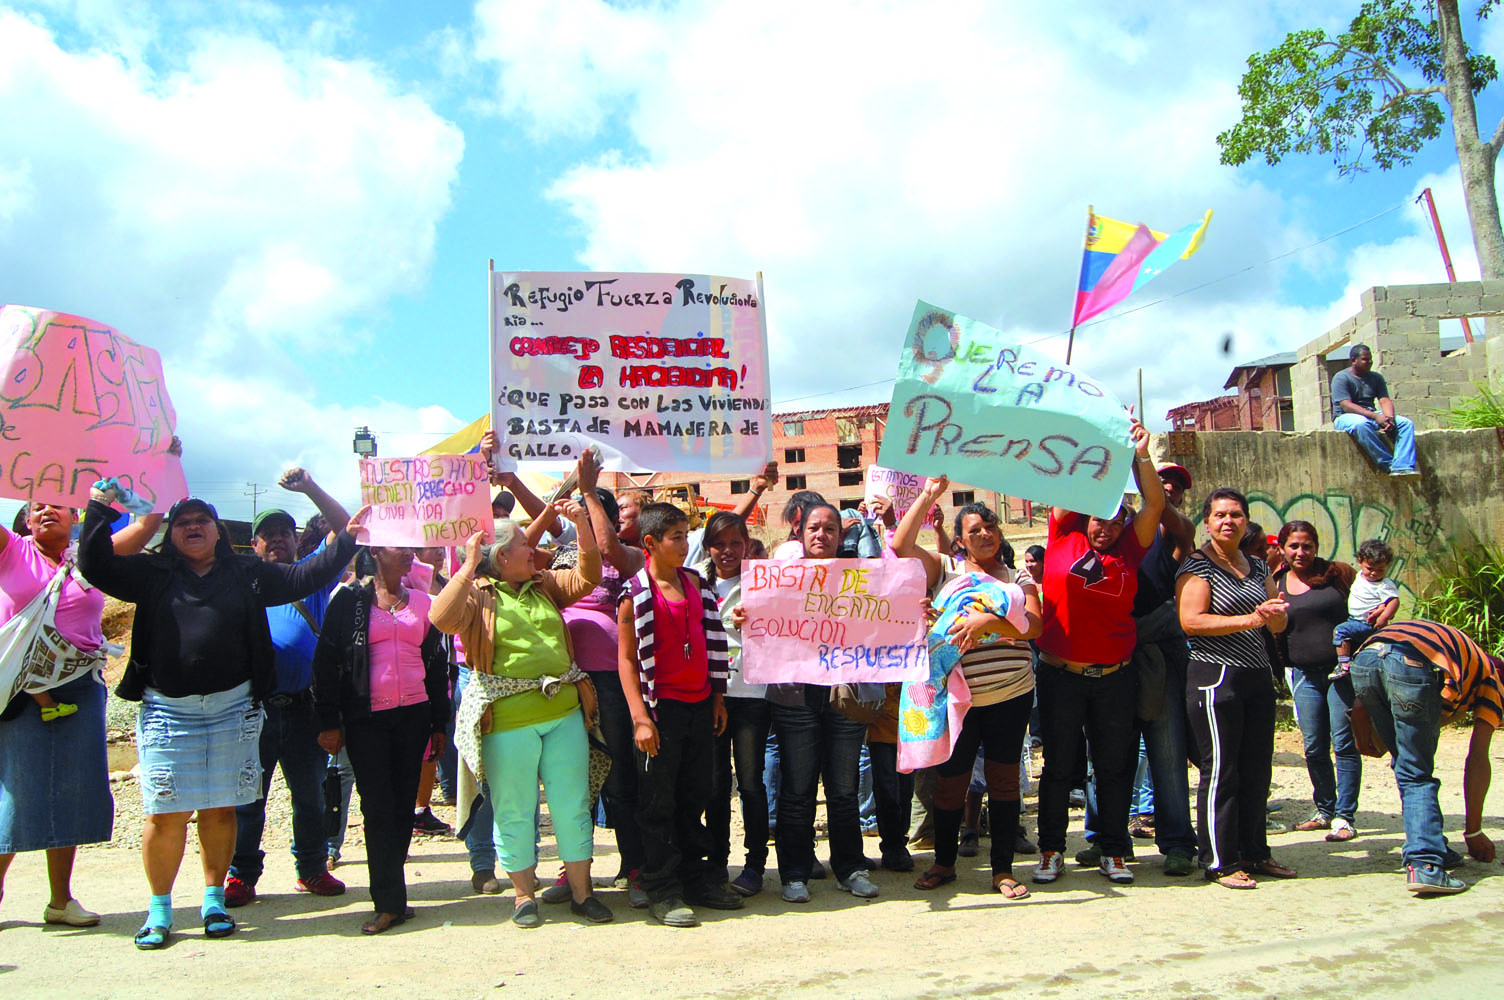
(1345, 929)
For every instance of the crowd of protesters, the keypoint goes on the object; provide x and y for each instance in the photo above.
(595, 652)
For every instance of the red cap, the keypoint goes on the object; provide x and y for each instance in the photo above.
(1180, 470)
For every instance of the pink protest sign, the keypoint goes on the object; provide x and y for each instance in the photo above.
(664, 372)
(78, 403)
(900, 489)
(425, 501)
(834, 621)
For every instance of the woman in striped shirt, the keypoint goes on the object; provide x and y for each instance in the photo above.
(1226, 599)
(1001, 678)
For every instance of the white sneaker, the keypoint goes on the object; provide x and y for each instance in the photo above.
(1116, 871)
(1051, 866)
(859, 884)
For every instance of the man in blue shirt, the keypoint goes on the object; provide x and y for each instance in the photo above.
(290, 734)
(1361, 406)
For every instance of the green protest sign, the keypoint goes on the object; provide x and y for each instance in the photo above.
(977, 407)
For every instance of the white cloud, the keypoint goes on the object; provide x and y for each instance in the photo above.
(235, 197)
(864, 155)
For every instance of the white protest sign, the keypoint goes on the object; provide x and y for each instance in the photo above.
(665, 372)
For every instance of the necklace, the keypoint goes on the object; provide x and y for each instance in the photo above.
(396, 605)
(683, 629)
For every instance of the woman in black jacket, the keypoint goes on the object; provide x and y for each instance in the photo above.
(381, 688)
(201, 660)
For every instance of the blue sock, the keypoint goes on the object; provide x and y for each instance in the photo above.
(159, 911)
(214, 900)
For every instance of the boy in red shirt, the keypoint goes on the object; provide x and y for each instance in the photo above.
(674, 666)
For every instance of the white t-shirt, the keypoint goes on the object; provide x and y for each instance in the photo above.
(1366, 595)
(1001, 670)
(729, 594)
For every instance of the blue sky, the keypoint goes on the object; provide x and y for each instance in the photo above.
(295, 202)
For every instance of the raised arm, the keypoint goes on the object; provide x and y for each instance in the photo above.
(299, 481)
(137, 535)
(761, 483)
(455, 607)
(536, 509)
(283, 584)
(124, 577)
(906, 535)
(569, 585)
(1146, 521)
(627, 559)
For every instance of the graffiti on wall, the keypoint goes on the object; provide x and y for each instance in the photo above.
(1342, 523)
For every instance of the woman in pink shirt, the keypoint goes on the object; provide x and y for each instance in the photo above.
(54, 777)
(381, 688)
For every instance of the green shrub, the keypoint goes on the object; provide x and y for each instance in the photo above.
(1468, 594)
(1483, 410)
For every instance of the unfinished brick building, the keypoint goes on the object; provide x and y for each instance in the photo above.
(827, 451)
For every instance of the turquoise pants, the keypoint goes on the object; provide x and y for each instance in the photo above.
(516, 759)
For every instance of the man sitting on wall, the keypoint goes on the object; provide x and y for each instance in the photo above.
(1361, 406)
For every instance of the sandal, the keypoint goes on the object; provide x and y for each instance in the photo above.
(1341, 830)
(1236, 879)
(1009, 887)
(1274, 869)
(1317, 822)
(218, 925)
(152, 938)
(385, 922)
(934, 879)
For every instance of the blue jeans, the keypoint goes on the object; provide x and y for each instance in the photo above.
(1404, 701)
(1321, 707)
(1377, 444)
(480, 837)
(289, 737)
(866, 804)
(1166, 753)
(744, 744)
(817, 744)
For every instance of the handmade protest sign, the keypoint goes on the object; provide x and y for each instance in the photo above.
(423, 501)
(79, 403)
(972, 404)
(666, 372)
(900, 489)
(834, 621)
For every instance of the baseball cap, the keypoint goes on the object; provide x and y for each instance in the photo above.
(191, 503)
(272, 514)
(1178, 470)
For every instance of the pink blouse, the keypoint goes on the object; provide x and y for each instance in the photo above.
(25, 572)
(395, 645)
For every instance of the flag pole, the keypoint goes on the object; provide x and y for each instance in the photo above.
(491, 347)
(1070, 344)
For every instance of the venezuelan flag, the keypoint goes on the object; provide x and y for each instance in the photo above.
(1121, 258)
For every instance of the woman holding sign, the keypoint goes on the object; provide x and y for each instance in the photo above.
(54, 778)
(817, 742)
(201, 659)
(997, 663)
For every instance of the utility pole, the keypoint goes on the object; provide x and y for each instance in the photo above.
(254, 490)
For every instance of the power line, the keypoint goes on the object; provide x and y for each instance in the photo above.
(1147, 305)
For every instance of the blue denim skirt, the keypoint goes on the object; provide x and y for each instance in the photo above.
(199, 751)
(54, 776)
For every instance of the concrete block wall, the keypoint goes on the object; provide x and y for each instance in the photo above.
(1402, 325)
(1324, 478)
